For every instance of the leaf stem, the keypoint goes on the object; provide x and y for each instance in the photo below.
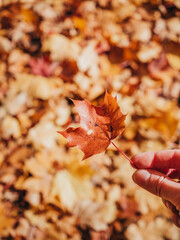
(123, 154)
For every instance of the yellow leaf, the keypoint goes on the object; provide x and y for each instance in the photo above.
(174, 60)
(69, 189)
(5, 221)
(29, 16)
(79, 23)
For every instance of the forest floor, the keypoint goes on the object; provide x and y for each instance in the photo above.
(52, 51)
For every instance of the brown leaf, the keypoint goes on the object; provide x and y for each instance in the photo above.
(99, 125)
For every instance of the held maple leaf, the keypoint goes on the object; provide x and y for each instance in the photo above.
(99, 125)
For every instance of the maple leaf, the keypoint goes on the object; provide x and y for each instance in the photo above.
(43, 66)
(99, 125)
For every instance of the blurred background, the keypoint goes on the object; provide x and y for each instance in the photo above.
(54, 50)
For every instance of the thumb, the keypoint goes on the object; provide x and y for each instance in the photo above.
(158, 184)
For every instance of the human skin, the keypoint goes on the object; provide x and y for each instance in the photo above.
(158, 173)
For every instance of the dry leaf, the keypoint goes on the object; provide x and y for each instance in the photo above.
(99, 125)
(61, 48)
(95, 215)
(130, 48)
(42, 66)
(70, 189)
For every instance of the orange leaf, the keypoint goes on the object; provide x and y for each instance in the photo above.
(79, 23)
(29, 16)
(99, 125)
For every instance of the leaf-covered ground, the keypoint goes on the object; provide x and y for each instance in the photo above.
(54, 50)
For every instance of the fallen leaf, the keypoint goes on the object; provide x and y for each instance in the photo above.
(42, 66)
(35, 86)
(95, 214)
(69, 69)
(149, 52)
(5, 45)
(5, 221)
(69, 189)
(45, 10)
(29, 16)
(158, 65)
(10, 127)
(79, 23)
(128, 208)
(174, 60)
(88, 60)
(158, 229)
(46, 138)
(99, 125)
(130, 48)
(60, 48)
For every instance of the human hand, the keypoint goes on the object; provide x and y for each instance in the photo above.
(151, 175)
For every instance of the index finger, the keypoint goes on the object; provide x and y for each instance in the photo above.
(158, 160)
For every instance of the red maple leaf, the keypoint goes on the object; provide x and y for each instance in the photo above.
(99, 125)
(42, 66)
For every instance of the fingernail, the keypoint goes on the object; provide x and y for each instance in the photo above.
(141, 176)
(133, 165)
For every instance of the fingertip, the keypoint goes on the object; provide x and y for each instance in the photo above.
(133, 165)
(143, 160)
(140, 177)
(164, 159)
(157, 183)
